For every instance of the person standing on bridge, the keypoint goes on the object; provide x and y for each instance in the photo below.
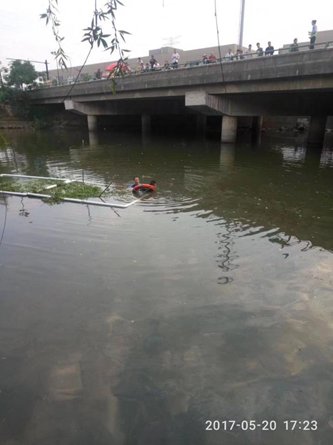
(248, 52)
(269, 51)
(141, 66)
(153, 63)
(229, 56)
(313, 34)
(259, 51)
(294, 46)
(175, 59)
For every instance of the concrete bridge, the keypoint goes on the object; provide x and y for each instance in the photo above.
(294, 84)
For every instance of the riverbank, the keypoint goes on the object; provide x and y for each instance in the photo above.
(12, 118)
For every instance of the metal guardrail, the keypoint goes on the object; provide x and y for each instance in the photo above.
(195, 63)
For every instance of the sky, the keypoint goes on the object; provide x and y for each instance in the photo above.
(184, 24)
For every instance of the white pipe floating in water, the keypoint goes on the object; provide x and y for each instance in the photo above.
(66, 181)
(102, 204)
(14, 193)
(73, 200)
(32, 177)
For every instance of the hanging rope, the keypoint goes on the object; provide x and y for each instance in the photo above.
(4, 222)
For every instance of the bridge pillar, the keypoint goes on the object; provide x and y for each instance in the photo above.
(93, 138)
(256, 129)
(146, 124)
(316, 133)
(92, 122)
(229, 129)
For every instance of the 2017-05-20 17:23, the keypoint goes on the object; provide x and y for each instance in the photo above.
(263, 425)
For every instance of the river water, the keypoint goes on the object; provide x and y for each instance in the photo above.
(209, 301)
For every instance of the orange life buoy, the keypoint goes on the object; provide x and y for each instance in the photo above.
(145, 187)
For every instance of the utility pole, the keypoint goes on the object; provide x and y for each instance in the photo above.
(47, 70)
(240, 41)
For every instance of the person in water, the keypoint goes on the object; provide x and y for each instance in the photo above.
(136, 180)
(151, 187)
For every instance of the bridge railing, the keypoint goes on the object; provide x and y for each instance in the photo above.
(286, 49)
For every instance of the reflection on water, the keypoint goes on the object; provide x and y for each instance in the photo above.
(210, 300)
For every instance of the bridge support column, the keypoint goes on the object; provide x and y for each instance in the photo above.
(229, 129)
(146, 124)
(256, 129)
(92, 122)
(316, 133)
(93, 138)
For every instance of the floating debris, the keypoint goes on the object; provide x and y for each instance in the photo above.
(58, 190)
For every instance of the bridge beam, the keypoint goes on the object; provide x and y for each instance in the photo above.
(208, 104)
(127, 107)
(82, 108)
(214, 104)
(204, 103)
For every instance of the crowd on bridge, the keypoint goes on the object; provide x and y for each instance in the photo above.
(154, 65)
(122, 67)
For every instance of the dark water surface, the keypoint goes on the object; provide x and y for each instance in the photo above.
(211, 300)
